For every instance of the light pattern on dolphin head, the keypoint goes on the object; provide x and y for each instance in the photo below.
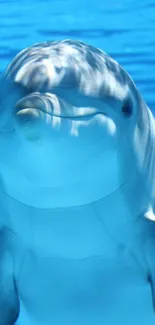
(65, 66)
(68, 64)
(68, 104)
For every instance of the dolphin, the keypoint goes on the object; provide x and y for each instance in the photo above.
(77, 190)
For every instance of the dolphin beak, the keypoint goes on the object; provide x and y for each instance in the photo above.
(38, 105)
(35, 108)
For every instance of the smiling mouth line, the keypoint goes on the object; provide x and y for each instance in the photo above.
(85, 117)
(78, 117)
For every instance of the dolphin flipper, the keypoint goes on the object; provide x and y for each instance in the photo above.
(9, 304)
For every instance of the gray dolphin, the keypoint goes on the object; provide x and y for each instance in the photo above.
(77, 190)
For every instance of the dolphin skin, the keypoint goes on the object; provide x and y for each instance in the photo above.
(77, 193)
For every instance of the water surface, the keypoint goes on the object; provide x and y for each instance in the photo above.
(124, 29)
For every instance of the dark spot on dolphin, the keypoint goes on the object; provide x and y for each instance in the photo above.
(58, 70)
(127, 108)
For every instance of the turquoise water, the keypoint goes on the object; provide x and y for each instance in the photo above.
(123, 28)
(75, 265)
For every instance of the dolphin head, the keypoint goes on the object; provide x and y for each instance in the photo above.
(67, 115)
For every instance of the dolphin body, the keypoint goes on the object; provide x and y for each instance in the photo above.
(77, 190)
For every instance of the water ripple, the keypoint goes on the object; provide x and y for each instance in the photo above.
(124, 29)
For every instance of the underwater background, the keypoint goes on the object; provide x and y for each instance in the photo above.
(123, 28)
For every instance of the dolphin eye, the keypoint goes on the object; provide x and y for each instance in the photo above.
(127, 108)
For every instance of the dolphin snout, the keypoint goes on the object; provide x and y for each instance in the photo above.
(38, 105)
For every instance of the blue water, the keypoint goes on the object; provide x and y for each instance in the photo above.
(123, 28)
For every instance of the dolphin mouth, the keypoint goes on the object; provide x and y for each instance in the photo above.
(79, 116)
(31, 114)
(37, 105)
(72, 116)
